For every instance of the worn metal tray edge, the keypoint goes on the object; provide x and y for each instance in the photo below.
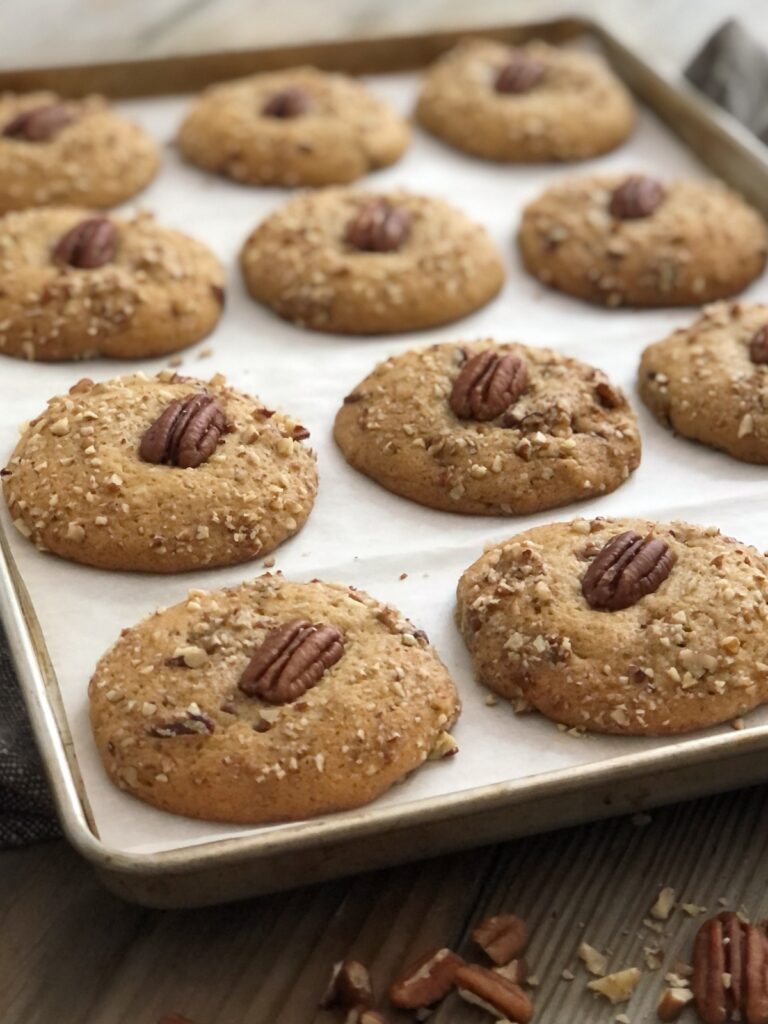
(314, 850)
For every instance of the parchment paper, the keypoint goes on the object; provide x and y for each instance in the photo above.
(358, 533)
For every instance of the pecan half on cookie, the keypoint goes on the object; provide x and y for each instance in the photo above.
(379, 227)
(40, 123)
(89, 244)
(627, 568)
(292, 659)
(186, 433)
(487, 385)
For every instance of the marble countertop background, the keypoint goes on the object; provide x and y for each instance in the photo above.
(42, 32)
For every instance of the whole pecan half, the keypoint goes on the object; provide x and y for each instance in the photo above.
(730, 971)
(378, 227)
(494, 993)
(487, 385)
(636, 197)
(425, 981)
(519, 74)
(291, 660)
(503, 937)
(627, 568)
(185, 434)
(292, 101)
(758, 347)
(89, 244)
(39, 124)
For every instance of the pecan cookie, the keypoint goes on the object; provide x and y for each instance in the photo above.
(522, 104)
(295, 127)
(269, 701)
(709, 381)
(633, 240)
(81, 152)
(621, 625)
(159, 474)
(489, 429)
(361, 263)
(78, 285)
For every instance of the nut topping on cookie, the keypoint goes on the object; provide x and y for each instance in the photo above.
(195, 723)
(636, 197)
(292, 659)
(627, 568)
(758, 347)
(87, 245)
(39, 124)
(487, 385)
(519, 74)
(291, 102)
(379, 227)
(186, 434)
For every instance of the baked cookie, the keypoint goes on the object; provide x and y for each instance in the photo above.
(621, 625)
(295, 127)
(709, 381)
(489, 429)
(631, 240)
(159, 474)
(270, 701)
(362, 263)
(522, 104)
(77, 285)
(61, 151)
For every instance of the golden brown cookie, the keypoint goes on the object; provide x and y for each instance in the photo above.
(300, 126)
(78, 152)
(269, 701)
(709, 381)
(489, 429)
(632, 240)
(621, 625)
(362, 263)
(77, 285)
(523, 104)
(159, 474)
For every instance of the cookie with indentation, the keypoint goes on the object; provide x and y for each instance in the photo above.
(709, 381)
(159, 474)
(633, 240)
(78, 285)
(270, 701)
(56, 151)
(300, 126)
(489, 429)
(524, 104)
(621, 625)
(356, 262)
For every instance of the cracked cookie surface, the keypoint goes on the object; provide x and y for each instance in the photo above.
(701, 242)
(337, 133)
(92, 157)
(709, 381)
(573, 109)
(175, 729)
(569, 434)
(300, 264)
(159, 292)
(690, 654)
(77, 485)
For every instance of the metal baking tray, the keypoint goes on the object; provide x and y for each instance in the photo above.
(376, 835)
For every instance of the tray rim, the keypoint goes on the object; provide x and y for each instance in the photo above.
(37, 679)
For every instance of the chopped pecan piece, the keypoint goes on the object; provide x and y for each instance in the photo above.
(626, 569)
(487, 385)
(519, 74)
(186, 433)
(494, 993)
(40, 123)
(425, 981)
(291, 660)
(672, 1002)
(91, 243)
(636, 197)
(758, 347)
(349, 987)
(289, 102)
(730, 971)
(502, 937)
(378, 227)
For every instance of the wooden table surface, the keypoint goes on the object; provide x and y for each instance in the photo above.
(71, 953)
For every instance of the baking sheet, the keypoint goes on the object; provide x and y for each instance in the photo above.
(358, 533)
